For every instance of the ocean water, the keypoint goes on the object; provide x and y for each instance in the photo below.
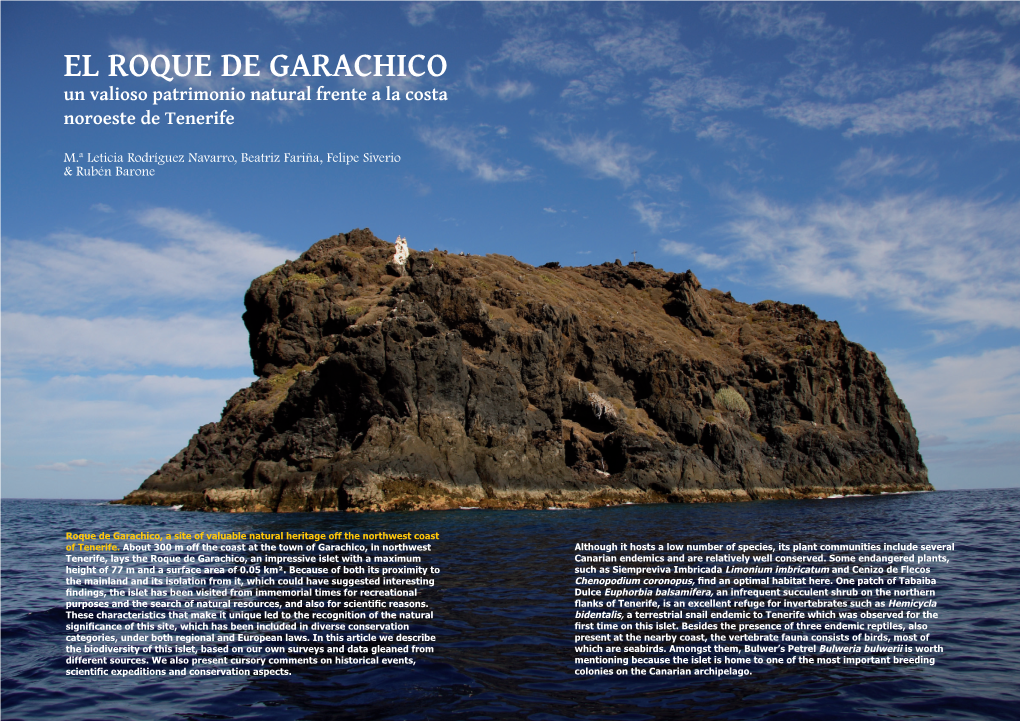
(504, 618)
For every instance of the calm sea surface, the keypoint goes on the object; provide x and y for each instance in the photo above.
(504, 618)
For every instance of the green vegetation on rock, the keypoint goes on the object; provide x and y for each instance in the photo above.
(733, 402)
(310, 278)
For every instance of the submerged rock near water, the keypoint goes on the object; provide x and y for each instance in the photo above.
(458, 381)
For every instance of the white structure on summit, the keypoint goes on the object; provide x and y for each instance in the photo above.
(400, 252)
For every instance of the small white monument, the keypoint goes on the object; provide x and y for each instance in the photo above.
(400, 253)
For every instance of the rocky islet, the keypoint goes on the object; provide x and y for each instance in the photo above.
(453, 381)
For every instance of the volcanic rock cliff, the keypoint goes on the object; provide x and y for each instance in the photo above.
(482, 381)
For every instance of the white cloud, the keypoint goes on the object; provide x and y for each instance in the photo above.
(957, 94)
(129, 47)
(465, 150)
(693, 253)
(420, 13)
(600, 157)
(726, 133)
(941, 336)
(642, 49)
(507, 91)
(957, 41)
(773, 20)
(106, 7)
(120, 423)
(143, 468)
(533, 47)
(101, 207)
(602, 58)
(664, 183)
(1007, 13)
(292, 13)
(107, 414)
(975, 94)
(969, 456)
(69, 465)
(944, 258)
(77, 344)
(578, 92)
(849, 81)
(855, 170)
(648, 214)
(517, 12)
(687, 99)
(598, 51)
(961, 398)
(965, 409)
(200, 260)
(514, 90)
(419, 186)
(816, 40)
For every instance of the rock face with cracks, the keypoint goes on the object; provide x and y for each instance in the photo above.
(482, 381)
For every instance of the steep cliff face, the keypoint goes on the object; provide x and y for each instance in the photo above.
(483, 381)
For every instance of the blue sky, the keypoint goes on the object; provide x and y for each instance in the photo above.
(859, 158)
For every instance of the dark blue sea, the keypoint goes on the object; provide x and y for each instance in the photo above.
(504, 616)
